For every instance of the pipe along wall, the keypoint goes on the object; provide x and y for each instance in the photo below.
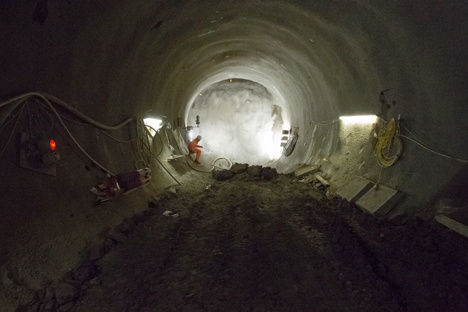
(248, 69)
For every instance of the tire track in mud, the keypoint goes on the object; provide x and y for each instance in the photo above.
(354, 239)
(347, 251)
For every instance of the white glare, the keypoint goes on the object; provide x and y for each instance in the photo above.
(363, 119)
(240, 121)
(153, 124)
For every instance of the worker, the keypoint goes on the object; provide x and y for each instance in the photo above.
(195, 148)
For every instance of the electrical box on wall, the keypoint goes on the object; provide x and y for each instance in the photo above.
(38, 154)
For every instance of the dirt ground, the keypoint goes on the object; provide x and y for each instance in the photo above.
(248, 244)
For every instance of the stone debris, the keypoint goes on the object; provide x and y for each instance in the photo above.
(255, 171)
(308, 179)
(172, 190)
(269, 173)
(306, 170)
(322, 180)
(239, 168)
(223, 175)
(170, 213)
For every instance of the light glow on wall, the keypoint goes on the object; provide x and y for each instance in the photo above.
(153, 124)
(362, 119)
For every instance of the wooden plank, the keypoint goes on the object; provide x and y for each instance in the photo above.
(322, 180)
(458, 227)
(306, 170)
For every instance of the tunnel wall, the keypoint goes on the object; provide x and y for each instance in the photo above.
(48, 225)
(115, 59)
(334, 59)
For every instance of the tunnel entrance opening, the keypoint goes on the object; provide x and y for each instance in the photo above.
(238, 119)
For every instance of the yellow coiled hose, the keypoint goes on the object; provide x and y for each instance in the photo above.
(389, 146)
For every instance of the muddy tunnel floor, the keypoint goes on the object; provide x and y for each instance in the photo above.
(281, 245)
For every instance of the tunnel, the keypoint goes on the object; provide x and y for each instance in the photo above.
(264, 83)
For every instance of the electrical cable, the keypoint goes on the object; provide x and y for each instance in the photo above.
(103, 132)
(45, 97)
(141, 127)
(152, 155)
(12, 117)
(71, 120)
(34, 119)
(12, 131)
(8, 114)
(421, 143)
(54, 111)
(115, 139)
(141, 131)
(69, 108)
(140, 160)
(219, 158)
(162, 143)
(156, 132)
(157, 159)
(213, 166)
(377, 184)
(38, 120)
(432, 151)
(29, 121)
(17, 98)
(387, 138)
(86, 118)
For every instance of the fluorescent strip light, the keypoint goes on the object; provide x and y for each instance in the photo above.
(363, 119)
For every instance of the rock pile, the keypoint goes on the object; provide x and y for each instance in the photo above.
(256, 172)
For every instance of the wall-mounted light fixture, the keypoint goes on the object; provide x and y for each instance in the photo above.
(153, 124)
(362, 119)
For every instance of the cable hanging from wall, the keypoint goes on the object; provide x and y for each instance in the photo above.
(389, 139)
(389, 147)
(419, 142)
(34, 99)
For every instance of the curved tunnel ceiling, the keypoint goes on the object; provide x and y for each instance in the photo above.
(277, 45)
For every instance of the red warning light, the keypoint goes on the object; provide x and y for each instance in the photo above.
(52, 145)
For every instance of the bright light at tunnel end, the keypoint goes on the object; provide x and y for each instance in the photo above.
(362, 119)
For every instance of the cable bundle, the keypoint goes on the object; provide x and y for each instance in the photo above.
(389, 146)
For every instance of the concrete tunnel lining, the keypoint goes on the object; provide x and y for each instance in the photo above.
(115, 59)
(293, 71)
(265, 55)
